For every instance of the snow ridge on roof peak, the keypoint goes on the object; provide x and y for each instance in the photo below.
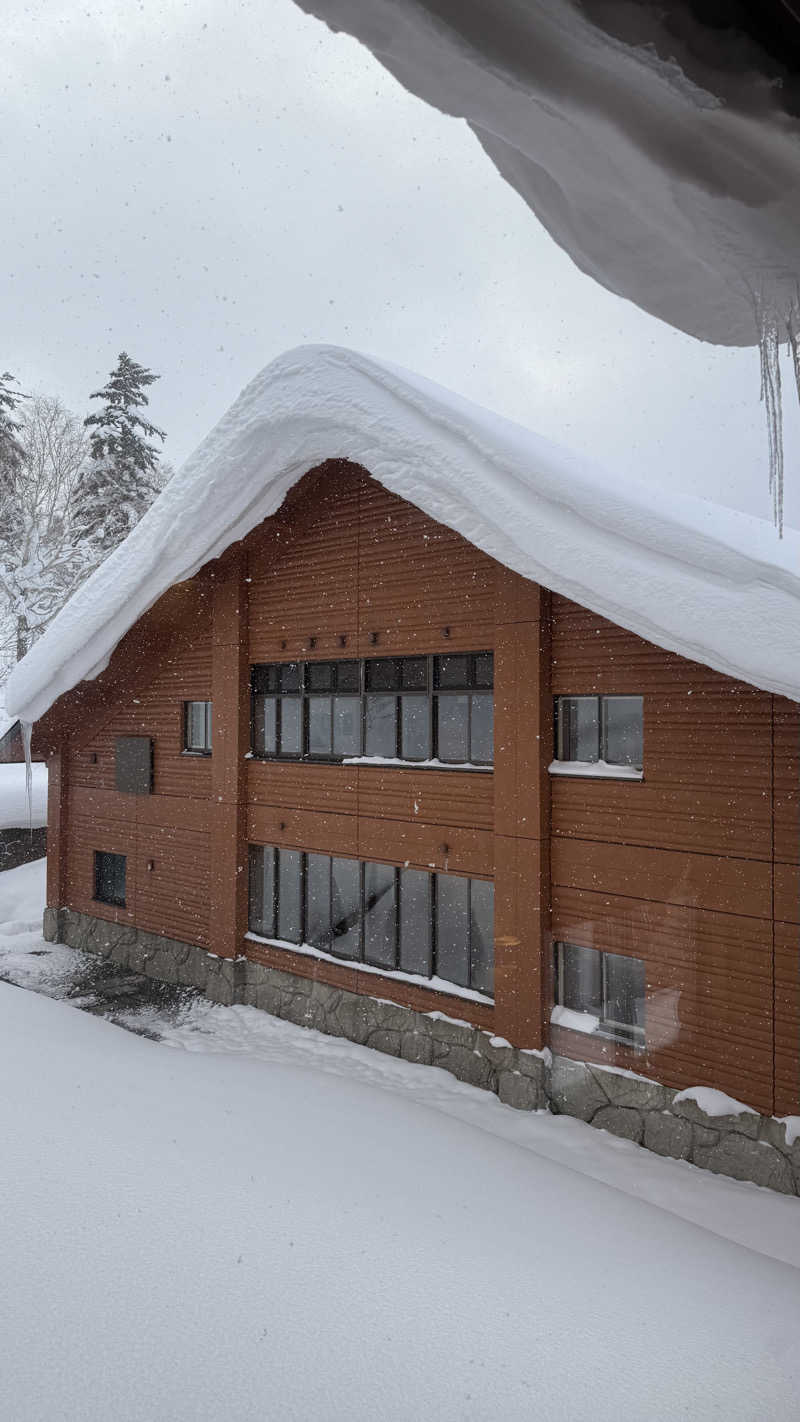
(705, 581)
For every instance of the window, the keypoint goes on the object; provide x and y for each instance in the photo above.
(406, 920)
(408, 709)
(133, 765)
(109, 878)
(606, 990)
(197, 727)
(599, 735)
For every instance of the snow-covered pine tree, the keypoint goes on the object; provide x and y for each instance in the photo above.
(11, 451)
(122, 475)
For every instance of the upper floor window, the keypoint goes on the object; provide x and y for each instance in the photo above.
(427, 709)
(109, 878)
(197, 727)
(601, 993)
(407, 920)
(599, 735)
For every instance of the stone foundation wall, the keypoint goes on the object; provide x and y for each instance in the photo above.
(745, 1146)
(21, 846)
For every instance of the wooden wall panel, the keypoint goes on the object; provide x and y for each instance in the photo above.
(303, 570)
(447, 848)
(787, 1020)
(447, 797)
(665, 877)
(421, 586)
(302, 829)
(709, 988)
(172, 897)
(88, 834)
(787, 781)
(304, 787)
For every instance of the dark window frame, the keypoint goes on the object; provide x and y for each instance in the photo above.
(206, 748)
(265, 680)
(255, 853)
(107, 854)
(560, 728)
(628, 1034)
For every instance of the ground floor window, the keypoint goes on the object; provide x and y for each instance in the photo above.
(603, 992)
(109, 878)
(398, 919)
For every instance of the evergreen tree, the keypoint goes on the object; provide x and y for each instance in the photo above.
(122, 475)
(11, 451)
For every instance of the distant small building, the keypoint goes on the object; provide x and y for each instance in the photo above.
(354, 768)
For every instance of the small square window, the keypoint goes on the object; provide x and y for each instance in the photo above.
(599, 735)
(109, 878)
(197, 727)
(604, 991)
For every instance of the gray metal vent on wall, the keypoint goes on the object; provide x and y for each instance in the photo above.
(133, 764)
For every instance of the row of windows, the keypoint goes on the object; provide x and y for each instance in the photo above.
(607, 988)
(432, 925)
(392, 708)
(429, 925)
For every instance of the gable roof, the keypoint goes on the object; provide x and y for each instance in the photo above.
(692, 576)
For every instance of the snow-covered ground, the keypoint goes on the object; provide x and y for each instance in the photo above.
(250, 1220)
(14, 807)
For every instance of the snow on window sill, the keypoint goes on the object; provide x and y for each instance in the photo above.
(595, 770)
(414, 764)
(592, 1026)
(434, 984)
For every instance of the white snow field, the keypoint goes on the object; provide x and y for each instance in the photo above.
(15, 808)
(276, 1225)
(714, 585)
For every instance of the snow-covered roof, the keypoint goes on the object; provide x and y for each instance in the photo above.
(715, 585)
(661, 154)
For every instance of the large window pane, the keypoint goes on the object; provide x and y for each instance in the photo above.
(416, 935)
(320, 676)
(290, 906)
(624, 990)
(482, 730)
(380, 915)
(381, 726)
(581, 979)
(347, 725)
(319, 725)
(289, 676)
(291, 726)
(452, 671)
(414, 673)
(383, 674)
(482, 936)
(261, 917)
(264, 725)
(318, 900)
(453, 728)
(346, 907)
(452, 929)
(415, 731)
(622, 726)
(578, 728)
(348, 676)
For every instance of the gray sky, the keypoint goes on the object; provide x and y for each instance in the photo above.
(207, 183)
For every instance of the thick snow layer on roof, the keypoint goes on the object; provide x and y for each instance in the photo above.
(661, 156)
(715, 585)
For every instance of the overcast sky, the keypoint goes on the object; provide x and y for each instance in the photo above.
(205, 184)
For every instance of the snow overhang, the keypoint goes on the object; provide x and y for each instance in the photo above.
(691, 576)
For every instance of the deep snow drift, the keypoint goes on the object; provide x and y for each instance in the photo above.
(715, 585)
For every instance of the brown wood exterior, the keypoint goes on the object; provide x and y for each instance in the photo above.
(694, 869)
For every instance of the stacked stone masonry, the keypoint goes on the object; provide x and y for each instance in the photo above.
(745, 1146)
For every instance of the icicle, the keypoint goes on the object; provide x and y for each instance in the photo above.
(26, 729)
(769, 350)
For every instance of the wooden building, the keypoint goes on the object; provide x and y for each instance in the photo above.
(289, 767)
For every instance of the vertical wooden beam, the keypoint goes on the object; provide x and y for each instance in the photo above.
(523, 750)
(57, 809)
(230, 742)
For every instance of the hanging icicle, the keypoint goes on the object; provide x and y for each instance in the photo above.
(769, 349)
(26, 729)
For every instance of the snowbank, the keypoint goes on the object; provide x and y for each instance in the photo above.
(715, 585)
(663, 158)
(14, 810)
(187, 1235)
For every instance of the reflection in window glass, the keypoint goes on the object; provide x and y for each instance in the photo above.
(347, 725)
(381, 726)
(290, 919)
(416, 927)
(453, 728)
(318, 901)
(624, 990)
(452, 929)
(266, 725)
(291, 726)
(582, 979)
(415, 728)
(380, 914)
(346, 907)
(607, 986)
(481, 936)
(319, 725)
(622, 730)
(262, 891)
(578, 728)
(482, 730)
